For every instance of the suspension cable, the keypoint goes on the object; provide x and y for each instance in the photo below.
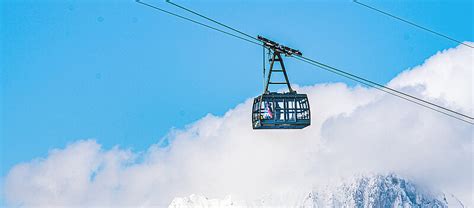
(411, 23)
(388, 90)
(264, 64)
(219, 23)
(197, 22)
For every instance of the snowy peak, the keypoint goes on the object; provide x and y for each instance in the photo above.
(200, 201)
(365, 191)
(378, 191)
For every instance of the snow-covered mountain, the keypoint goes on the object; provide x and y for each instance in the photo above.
(364, 191)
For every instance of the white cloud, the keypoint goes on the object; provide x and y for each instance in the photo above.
(446, 76)
(354, 130)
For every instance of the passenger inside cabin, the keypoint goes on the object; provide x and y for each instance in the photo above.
(277, 111)
(268, 110)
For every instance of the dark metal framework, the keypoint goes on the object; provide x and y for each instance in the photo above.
(275, 110)
(281, 111)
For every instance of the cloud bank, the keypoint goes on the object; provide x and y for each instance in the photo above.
(355, 130)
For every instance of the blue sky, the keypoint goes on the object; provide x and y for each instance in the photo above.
(124, 74)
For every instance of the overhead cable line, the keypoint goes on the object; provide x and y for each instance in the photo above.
(214, 21)
(412, 23)
(385, 87)
(388, 90)
(402, 95)
(196, 22)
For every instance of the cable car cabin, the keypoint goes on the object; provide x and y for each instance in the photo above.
(281, 111)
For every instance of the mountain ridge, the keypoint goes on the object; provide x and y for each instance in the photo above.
(360, 191)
